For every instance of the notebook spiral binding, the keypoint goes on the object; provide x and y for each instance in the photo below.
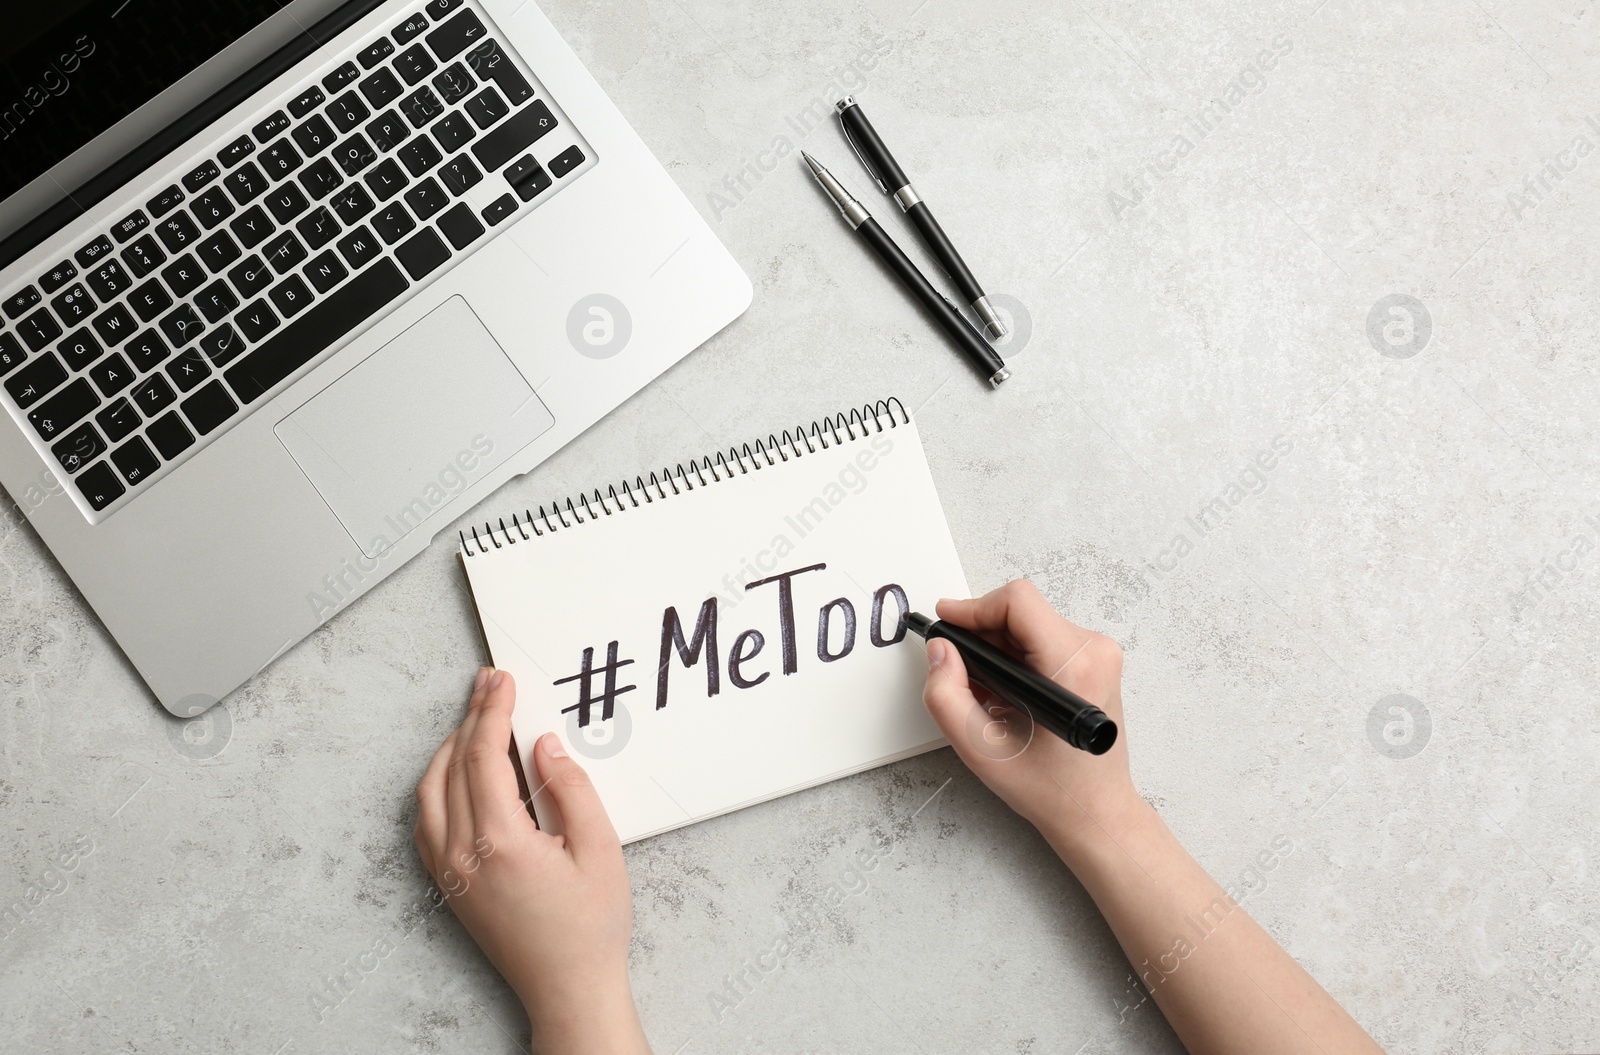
(524, 527)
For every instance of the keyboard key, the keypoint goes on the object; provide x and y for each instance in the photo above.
(321, 179)
(30, 384)
(252, 227)
(380, 50)
(292, 296)
(381, 89)
(393, 222)
(280, 159)
(359, 247)
(499, 209)
(93, 251)
(352, 203)
(284, 252)
(212, 207)
(457, 35)
(454, 83)
(492, 64)
(408, 30)
(205, 173)
(109, 281)
(134, 461)
(486, 108)
(117, 420)
(342, 77)
(216, 301)
(188, 369)
(236, 152)
(144, 256)
(218, 251)
(388, 131)
(423, 253)
(177, 232)
(527, 177)
(318, 229)
(149, 300)
(78, 448)
(566, 161)
(354, 154)
(514, 136)
(326, 271)
(112, 374)
(79, 349)
(426, 198)
(129, 226)
(146, 351)
(58, 276)
(222, 346)
(170, 435)
(165, 202)
(74, 305)
(152, 395)
(461, 226)
(209, 407)
(181, 326)
(247, 184)
(21, 301)
(114, 325)
(287, 202)
(11, 353)
(250, 277)
(256, 321)
(324, 324)
(63, 410)
(437, 9)
(307, 101)
(454, 132)
(348, 111)
(421, 106)
(184, 275)
(419, 155)
(414, 63)
(272, 126)
(38, 329)
(386, 180)
(100, 486)
(459, 173)
(315, 136)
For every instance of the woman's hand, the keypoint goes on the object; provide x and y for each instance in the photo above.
(552, 912)
(1062, 791)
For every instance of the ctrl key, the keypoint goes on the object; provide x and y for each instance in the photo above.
(99, 486)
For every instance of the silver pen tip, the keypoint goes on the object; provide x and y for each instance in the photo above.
(1000, 376)
(844, 104)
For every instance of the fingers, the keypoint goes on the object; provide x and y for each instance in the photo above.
(584, 821)
(431, 810)
(458, 797)
(490, 776)
(949, 699)
(1021, 611)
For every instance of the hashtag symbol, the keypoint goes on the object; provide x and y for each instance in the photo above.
(585, 680)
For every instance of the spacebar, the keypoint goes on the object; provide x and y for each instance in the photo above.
(309, 335)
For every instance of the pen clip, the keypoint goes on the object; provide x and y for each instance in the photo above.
(864, 162)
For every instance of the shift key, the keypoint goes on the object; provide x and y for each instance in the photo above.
(514, 136)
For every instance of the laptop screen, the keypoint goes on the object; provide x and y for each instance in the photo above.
(71, 69)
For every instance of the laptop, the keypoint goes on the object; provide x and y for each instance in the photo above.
(286, 288)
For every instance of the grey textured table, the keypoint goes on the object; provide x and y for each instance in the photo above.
(1303, 414)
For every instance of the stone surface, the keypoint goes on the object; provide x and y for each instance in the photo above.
(1197, 281)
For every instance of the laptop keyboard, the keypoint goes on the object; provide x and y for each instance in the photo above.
(170, 324)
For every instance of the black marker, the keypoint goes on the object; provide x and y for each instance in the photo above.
(1068, 715)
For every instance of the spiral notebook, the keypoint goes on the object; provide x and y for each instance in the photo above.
(727, 631)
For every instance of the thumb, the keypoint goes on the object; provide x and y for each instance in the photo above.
(584, 820)
(980, 735)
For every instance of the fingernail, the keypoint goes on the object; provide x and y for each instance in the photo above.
(483, 674)
(938, 652)
(494, 682)
(552, 746)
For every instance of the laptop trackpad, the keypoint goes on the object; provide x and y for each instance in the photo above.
(417, 422)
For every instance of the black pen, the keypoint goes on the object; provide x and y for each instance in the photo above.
(967, 339)
(892, 180)
(1063, 712)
